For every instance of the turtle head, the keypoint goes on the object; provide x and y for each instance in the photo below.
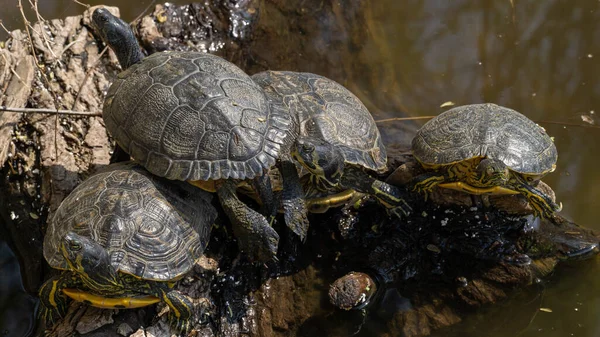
(117, 34)
(492, 172)
(84, 255)
(324, 161)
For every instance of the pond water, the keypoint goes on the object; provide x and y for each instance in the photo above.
(409, 57)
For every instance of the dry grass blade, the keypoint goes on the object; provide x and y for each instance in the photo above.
(144, 11)
(399, 119)
(82, 4)
(52, 111)
(87, 75)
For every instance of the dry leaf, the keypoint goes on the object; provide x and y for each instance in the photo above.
(588, 119)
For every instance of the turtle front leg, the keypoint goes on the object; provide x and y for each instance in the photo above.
(180, 310)
(541, 203)
(252, 230)
(294, 205)
(262, 185)
(426, 182)
(392, 197)
(53, 303)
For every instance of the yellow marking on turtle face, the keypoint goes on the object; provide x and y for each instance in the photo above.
(171, 306)
(322, 204)
(463, 187)
(52, 293)
(207, 185)
(110, 303)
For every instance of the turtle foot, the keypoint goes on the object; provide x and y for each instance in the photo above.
(51, 315)
(296, 219)
(181, 326)
(402, 210)
(261, 242)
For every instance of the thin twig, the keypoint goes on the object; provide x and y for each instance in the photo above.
(144, 11)
(12, 70)
(396, 119)
(5, 29)
(570, 124)
(82, 4)
(87, 75)
(401, 119)
(51, 111)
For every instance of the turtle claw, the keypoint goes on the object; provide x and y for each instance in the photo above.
(182, 327)
(51, 315)
(260, 242)
(402, 210)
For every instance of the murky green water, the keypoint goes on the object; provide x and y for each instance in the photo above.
(408, 57)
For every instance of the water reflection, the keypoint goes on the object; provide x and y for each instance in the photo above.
(16, 305)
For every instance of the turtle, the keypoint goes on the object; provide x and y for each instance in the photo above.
(332, 136)
(121, 239)
(195, 117)
(486, 149)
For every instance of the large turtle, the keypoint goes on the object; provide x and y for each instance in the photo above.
(486, 149)
(122, 237)
(195, 117)
(332, 135)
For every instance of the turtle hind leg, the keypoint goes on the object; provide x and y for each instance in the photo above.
(541, 203)
(392, 197)
(53, 303)
(294, 205)
(252, 230)
(180, 310)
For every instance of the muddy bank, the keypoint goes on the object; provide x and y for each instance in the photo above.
(47, 156)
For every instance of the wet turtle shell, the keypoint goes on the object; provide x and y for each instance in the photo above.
(193, 116)
(485, 130)
(152, 228)
(322, 108)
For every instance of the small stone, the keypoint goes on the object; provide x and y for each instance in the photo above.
(352, 291)
(93, 319)
(139, 333)
(124, 329)
(205, 264)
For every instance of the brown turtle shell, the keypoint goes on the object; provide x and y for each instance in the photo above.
(151, 227)
(193, 116)
(322, 108)
(488, 131)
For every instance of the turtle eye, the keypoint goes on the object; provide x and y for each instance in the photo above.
(307, 148)
(74, 246)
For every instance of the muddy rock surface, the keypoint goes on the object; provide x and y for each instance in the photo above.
(64, 66)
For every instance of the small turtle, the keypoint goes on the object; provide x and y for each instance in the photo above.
(486, 149)
(332, 135)
(195, 117)
(122, 238)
